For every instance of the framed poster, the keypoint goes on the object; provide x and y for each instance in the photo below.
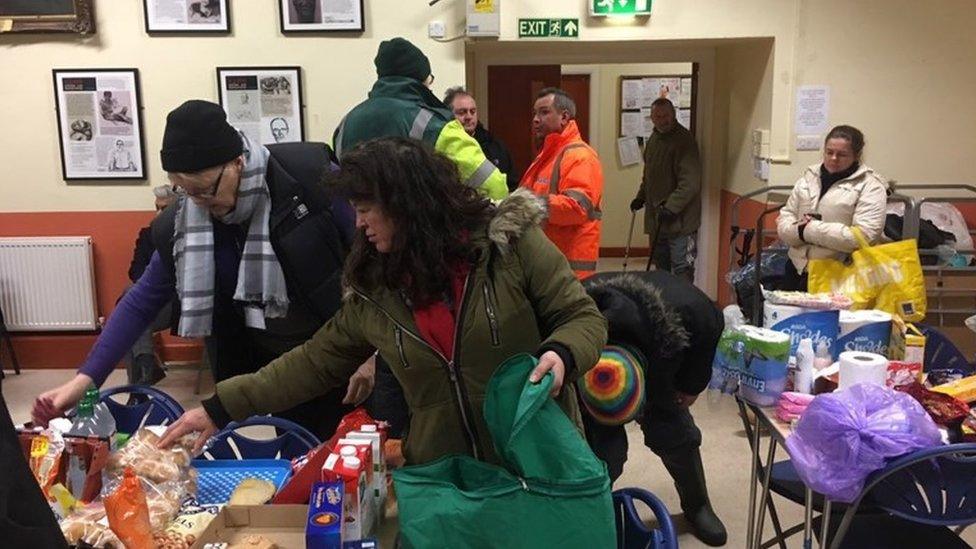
(321, 16)
(77, 16)
(99, 123)
(263, 102)
(187, 15)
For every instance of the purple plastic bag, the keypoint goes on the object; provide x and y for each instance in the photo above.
(843, 437)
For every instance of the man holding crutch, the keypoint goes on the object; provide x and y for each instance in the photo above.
(671, 189)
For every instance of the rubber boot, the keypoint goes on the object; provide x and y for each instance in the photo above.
(689, 478)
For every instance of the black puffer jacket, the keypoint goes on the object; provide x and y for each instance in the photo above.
(671, 322)
(309, 244)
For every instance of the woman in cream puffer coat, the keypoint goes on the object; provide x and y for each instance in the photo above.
(827, 201)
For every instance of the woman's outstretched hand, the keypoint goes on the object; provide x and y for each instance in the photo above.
(194, 421)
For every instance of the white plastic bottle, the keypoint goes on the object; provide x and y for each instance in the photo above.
(804, 367)
(823, 358)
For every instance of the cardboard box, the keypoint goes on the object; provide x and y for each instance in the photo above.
(282, 524)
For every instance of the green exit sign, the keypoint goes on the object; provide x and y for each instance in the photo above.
(603, 8)
(548, 28)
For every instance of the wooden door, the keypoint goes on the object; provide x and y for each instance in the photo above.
(511, 95)
(578, 87)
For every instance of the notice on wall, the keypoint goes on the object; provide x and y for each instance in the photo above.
(628, 150)
(631, 123)
(630, 94)
(812, 113)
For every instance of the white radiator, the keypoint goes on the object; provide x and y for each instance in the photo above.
(47, 283)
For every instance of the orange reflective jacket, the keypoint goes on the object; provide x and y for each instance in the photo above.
(568, 175)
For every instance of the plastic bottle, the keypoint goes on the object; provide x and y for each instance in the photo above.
(93, 418)
(823, 358)
(804, 367)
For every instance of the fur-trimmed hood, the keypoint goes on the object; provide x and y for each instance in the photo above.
(514, 215)
(638, 315)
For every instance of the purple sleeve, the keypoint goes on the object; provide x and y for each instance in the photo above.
(131, 317)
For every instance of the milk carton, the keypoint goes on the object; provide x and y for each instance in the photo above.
(357, 494)
(325, 516)
(377, 439)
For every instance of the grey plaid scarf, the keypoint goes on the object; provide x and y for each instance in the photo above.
(260, 280)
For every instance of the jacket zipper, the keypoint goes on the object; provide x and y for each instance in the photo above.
(462, 403)
(492, 319)
(399, 345)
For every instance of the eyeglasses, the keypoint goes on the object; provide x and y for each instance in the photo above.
(208, 193)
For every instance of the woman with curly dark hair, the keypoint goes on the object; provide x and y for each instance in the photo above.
(445, 287)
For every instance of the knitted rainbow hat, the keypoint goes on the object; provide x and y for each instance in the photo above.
(613, 390)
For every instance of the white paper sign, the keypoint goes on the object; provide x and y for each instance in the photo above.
(630, 91)
(812, 110)
(631, 123)
(629, 151)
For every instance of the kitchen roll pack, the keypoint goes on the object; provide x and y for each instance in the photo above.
(799, 323)
(868, 331)
(765, 354)
(860, 367)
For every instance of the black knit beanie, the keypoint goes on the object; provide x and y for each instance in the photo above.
(398, 57)
(198, 137)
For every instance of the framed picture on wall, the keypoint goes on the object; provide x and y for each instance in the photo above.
(321, 16)
(187, 16)
(265, 103)
(99, 123)
(75, 16)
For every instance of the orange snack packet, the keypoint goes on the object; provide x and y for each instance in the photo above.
(128, 513)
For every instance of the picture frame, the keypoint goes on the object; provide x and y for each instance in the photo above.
(187, 16)
(265, 103)
(67, 16)
(299, 16)
(99, 117)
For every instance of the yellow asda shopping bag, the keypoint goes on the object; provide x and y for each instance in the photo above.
(887, 277)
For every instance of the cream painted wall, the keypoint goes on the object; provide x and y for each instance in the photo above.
(901, 71)
(743, 102)
(620, 183)
(338, 71)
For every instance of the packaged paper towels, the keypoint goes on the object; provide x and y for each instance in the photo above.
(868, 331)
(860, 367)
(818, 325)
(765, 354)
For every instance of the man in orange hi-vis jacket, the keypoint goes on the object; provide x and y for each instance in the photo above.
(567, 174)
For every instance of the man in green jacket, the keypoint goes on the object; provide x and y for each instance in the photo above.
(402, 105)
(671, 189)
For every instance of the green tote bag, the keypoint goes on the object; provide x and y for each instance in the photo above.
(551, 492)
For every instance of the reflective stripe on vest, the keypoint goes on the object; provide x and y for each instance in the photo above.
(582, 265)
(420, 123)
(584, 202)
(592, 212)
(480, 175)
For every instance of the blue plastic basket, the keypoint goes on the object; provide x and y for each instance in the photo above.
(218, 478)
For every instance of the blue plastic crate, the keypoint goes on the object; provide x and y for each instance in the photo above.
(219, 477)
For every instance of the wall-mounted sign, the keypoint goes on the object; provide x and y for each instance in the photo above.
(603, 8)
(548, 28)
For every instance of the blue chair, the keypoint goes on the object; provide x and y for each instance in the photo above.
(291, 441)
(149, 407)
(631, 531)
(923, 494)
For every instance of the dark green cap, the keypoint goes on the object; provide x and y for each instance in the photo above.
(399, 57)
